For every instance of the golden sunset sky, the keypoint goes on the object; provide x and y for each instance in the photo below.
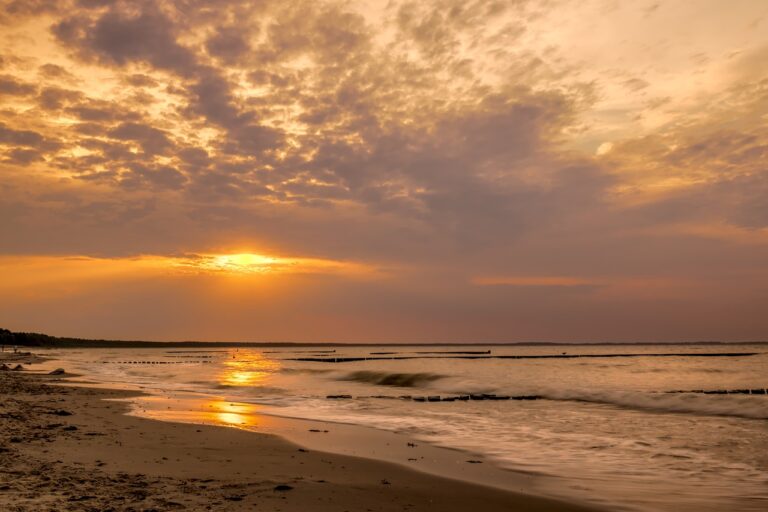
(385, 170)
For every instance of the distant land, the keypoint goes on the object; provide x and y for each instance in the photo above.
(33, 339)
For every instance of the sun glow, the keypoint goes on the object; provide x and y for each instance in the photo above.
(37, 277)
(245, 262)
(253, 263)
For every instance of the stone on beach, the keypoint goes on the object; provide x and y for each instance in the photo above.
(57, 371)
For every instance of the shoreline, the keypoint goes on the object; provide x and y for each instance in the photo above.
(78, 451)
(350, 439)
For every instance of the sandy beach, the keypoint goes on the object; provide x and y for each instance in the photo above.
(67, 448)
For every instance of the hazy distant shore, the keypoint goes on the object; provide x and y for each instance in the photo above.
(66, 448)
(30, 339)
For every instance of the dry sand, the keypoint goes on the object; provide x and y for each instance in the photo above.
(65, 448)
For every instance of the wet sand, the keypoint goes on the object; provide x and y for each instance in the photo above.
(66, 448)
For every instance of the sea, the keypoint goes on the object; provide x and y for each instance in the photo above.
(626, 427)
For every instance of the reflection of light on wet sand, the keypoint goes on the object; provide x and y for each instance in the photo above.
(196, 410)
(233, 414)
(247, 368)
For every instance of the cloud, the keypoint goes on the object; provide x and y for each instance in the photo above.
(55, 98)
(120, 36)
(26, 138)
(156, 176)
(101, 111)
(635, 84)
(13, 8)
(21, 156)
(478, 170)
(139, 80)
(152, 140)
(708, 168)
(14, 87)
(228, 44)
(54, 71)
(213, 99)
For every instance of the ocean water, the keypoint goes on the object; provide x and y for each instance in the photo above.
(605, 430)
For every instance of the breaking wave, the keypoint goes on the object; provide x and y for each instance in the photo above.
(733, 405)
(740, 406)
(404, 380)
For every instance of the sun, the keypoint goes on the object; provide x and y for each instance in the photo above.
(245, 262)
(241, 263)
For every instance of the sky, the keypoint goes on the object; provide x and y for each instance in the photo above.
(432, 170)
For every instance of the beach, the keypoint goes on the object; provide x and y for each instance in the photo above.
(74, 448)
